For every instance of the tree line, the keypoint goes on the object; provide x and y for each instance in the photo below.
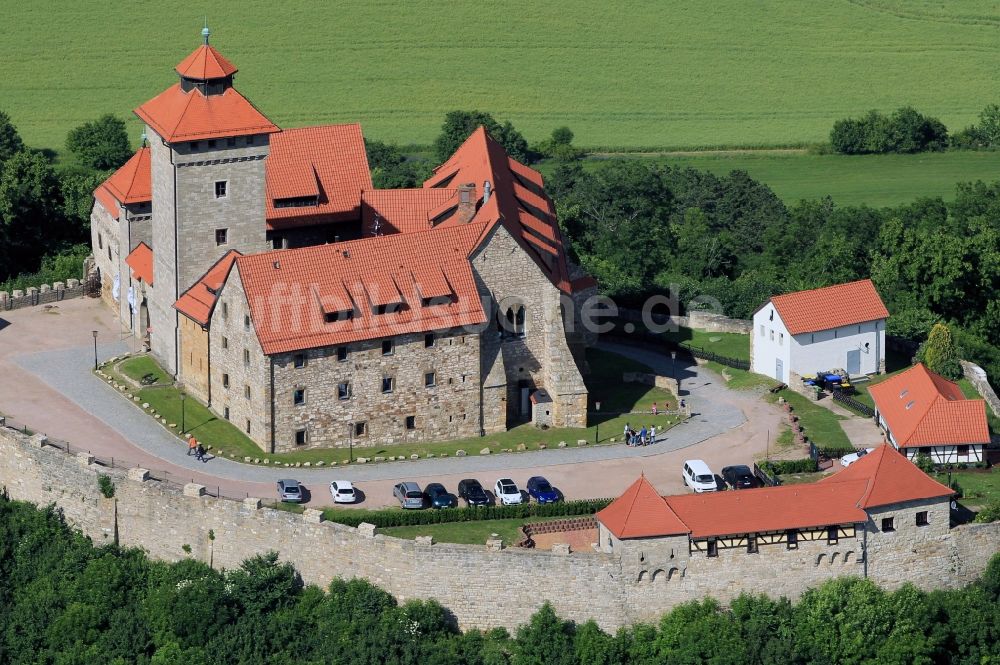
(65, 601)
(908, 131)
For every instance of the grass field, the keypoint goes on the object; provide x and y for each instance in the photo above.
(661, 74)
(821, 425)
(873, 180)
(467, 533)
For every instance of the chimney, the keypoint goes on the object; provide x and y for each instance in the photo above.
(466, 203)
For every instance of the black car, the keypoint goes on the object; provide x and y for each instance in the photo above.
(473, 493)
(439, 497)
(739, 477)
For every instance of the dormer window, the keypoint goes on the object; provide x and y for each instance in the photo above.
(343, 315)
(387, 309)
(436, 300)
(297, 202)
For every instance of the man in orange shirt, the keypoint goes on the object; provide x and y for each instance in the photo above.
(192, 445)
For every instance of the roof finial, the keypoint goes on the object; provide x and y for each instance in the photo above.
(205, 32)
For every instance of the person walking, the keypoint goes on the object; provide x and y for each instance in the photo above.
(652, 434)
(642, 436)
(192, 445)
(199, 453)
(628, 430)
(654, 408)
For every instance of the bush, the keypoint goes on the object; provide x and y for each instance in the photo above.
(783, 466)
(106, 485)
(989, 512)
(830, 452)
(102, 144)
(57, 267)
(390, 518)
(905, 131)
(924, 463)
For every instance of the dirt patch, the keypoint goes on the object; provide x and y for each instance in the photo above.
(579, 540)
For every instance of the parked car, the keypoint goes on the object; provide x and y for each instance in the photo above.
(472, 491)
(739, 477)
(409, 495)
(439, 497)
(698, 476)
(541, 491)
(507, 492)
(848, 460)
(290, 491)
(342, 491)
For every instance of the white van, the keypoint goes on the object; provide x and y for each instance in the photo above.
(698, 476)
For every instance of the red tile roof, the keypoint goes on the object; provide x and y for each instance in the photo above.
(140, 260)
(640, 512)
(328, 162)
(131, 183)
(891, 479)
(830, 307)
(205, 63)
(289, 291)
(403, 210)
(107, 201)
(191, 116)
(198, 301)
(922, 408)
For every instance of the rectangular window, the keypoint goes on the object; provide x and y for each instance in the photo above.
(220, 189)
(781, 339)
(247, 428)
(792, 539)
(251, 139)
(713, 548)
(231, 141)
(225, 342)
(299, 396)
(341, 353)
(411, 422)
(100, 241)
(888, 524)
(832, 534)
(333, 317)
(193, 145)
(387, 347)
(962, 451)
(772, 334)
(430, 379)
(211, 143)
(922, 518)
(225, 412)
(360, 429)
(387, 383)
(246, 322)
(221, 236)
(225, 311)
(752, 543)
(812, 338)
(343, 391)
(246, 356)
(300, 360)
(428, 340)
(225, 380)
(109, 252)
(246, 391)
(300, 437)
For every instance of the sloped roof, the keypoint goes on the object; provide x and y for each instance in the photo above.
(328, 162)
(140, 260)
(107, 201)
(290, 291)
(891, 478)
(403, 210)
(830, 307)
(640, 512)
(517, 198)
(198, 301)
(923, 408)
(131, 183)
(205, 63)
(191, 116)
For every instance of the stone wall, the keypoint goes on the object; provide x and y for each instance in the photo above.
(977, 377)
(41, 295)
(650, 576)
(696, 319)
(667, 383)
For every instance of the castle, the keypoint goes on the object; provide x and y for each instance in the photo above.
(267, 274)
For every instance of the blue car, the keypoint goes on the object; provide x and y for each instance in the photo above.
(541, 491)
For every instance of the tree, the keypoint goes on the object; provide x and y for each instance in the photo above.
(10, 140)
(77, 187)
(939, 353)
(458, 125)
(988, 129)
(545, 640)
(31, 217)
(391, 169)
(101, 144)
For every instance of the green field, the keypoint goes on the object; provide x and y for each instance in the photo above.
(659, 74)
(873, 180)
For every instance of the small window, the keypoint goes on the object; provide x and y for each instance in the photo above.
(220, 189)
(225, 412)
(832, 534)
(225, 380)
(246, 322)
(922, 518)
(225, 342)
(962, 451)
(247, 427)
(430, 379)
(193, 145)
(100, 241)
(812, 338)
(360, 429)
(300, 437)
(781, 339)
(387, 347)
(341, 353)
(109, 252)
(211, 143)
(428, 340)
(909, 405)
(251, 139)
(299, 396)
(299, 361)
(772, 334)
(343, 391)
(792, 539)
(225, 311)
(713, 548)
(387, 383)
(246, 356)
(411, 422)
(221, 236)
(752, 543)
(246, 391)
(231, 141)
(343, 315)
(327, 352)
(888, 524)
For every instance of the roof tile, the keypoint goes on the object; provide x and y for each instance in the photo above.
(830, 307)
(140, 260)
(191, 116)
(198, 301)
(205, 63)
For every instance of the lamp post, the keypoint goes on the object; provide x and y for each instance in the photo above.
(183, 423)
(597, 424)
(673, 359)
(95, 349)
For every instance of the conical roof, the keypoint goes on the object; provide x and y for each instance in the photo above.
(205, 63)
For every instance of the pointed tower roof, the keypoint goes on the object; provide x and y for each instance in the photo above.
(132, 182)
(891, 479)
(205, 63)
(640, 512)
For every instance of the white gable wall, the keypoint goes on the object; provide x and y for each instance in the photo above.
(771, 344)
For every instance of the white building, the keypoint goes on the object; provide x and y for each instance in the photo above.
(836, 327)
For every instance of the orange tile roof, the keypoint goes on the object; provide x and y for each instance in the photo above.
(198, 301)
(891, 479)
(923, 408)
(640, 512)
(107, 201)
(205, 63)
(830, 307)
(140, 260)
(328, 162)
(191, 116)
(528, 215)
(403, 210)
(290, 290)
(131, 183)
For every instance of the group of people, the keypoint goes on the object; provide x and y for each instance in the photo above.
(643, 437)
(195, 448)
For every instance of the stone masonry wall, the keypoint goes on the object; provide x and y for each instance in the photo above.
(467, 579)
(978, 378)
(42, 295)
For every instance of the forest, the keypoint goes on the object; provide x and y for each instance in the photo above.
(64, 601)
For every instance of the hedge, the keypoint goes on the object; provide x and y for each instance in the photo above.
(781, 466)
(399, 517)
(833, 452)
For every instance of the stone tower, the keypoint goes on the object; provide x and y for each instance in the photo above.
(208, 149)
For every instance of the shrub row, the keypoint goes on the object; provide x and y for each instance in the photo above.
(398, 517)
(832, 452)
(781, 466)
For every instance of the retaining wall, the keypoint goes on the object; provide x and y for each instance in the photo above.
(696, 319)
(977, 377)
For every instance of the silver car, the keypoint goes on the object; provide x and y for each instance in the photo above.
(409, 495)
(290, 491)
